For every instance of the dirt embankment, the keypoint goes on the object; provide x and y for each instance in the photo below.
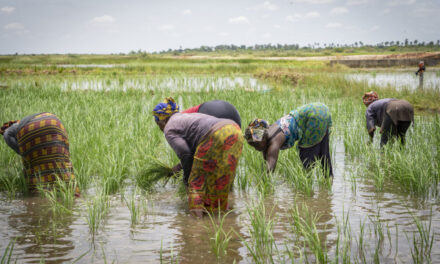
(382, 60)
(407, 59)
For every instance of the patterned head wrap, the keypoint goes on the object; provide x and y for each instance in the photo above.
(164, 110)
(256, 130)
(7, 125)
(369, 97)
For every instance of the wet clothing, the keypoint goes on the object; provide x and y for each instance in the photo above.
(213, 168)
(217, 108)
(320, 151)
(397, 118)
(42, 142)
(307, 124)
(375, 112)
(184, 132)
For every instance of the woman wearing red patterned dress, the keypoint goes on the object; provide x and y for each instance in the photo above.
(208, 148)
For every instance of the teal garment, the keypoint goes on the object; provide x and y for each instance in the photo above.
(307, 124)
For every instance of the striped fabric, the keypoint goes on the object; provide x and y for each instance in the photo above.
(44, 147)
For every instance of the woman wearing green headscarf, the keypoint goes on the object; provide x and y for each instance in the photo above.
(307, 125)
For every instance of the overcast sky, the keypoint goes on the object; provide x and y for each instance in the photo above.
(113, 26)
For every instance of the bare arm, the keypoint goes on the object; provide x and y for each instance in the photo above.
(271, 154)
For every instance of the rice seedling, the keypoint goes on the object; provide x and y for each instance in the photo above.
(97, 209)
(219, 237)
(152, 173)
(305, 226)
(262, 245)
(137, 206)
(422, 240)
(7, 254)
(61, 196)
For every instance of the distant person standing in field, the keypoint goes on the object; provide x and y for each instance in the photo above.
(309, 125)
(393, 116)
(208, 148)
(217, 108)
(420, 73)
(41, 140)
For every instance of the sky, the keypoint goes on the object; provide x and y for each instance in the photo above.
(114, 26)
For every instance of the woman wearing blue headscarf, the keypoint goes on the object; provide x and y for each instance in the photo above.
(308, 125)
(208, 148)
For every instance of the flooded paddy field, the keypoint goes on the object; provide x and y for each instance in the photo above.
(382, 205)
(400, 80)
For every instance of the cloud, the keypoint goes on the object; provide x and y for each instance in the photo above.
(186, 12)
(298, 16)
(315, 2)
(267, 35)
(385, 11)
(333, 25)
(269, 6)
(339, 10)
(7, 9)
(312, 14)
(375, 28)
(223, 34)
(167, 27)
(276, 26)
(106, 19)
(239, 20)
(358, 2)
(14, 27)
(400, 2)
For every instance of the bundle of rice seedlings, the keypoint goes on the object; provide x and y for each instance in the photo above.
(154, 171)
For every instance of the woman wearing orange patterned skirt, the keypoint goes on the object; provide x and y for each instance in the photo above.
(208, 148)
(41, 140)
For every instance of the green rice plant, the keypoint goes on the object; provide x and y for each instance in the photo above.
(262, 245)
(219, 237)
(174, 259)
(97, 209)
(137, 206)
(343, 239)
(7, 254)
(422, 240)
(152, 173)
(305, 226)
(61, 196)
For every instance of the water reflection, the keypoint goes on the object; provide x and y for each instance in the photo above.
(38, 235)
(399, 80)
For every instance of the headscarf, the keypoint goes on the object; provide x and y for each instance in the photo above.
(369, 97)
(7, 125)
(164, 110)
(256, 130)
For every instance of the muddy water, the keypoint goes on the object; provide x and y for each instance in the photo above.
(166, 232)
(399, 80)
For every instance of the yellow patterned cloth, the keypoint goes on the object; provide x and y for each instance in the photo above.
(44, 147)
(164, 110)
(213, 169)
